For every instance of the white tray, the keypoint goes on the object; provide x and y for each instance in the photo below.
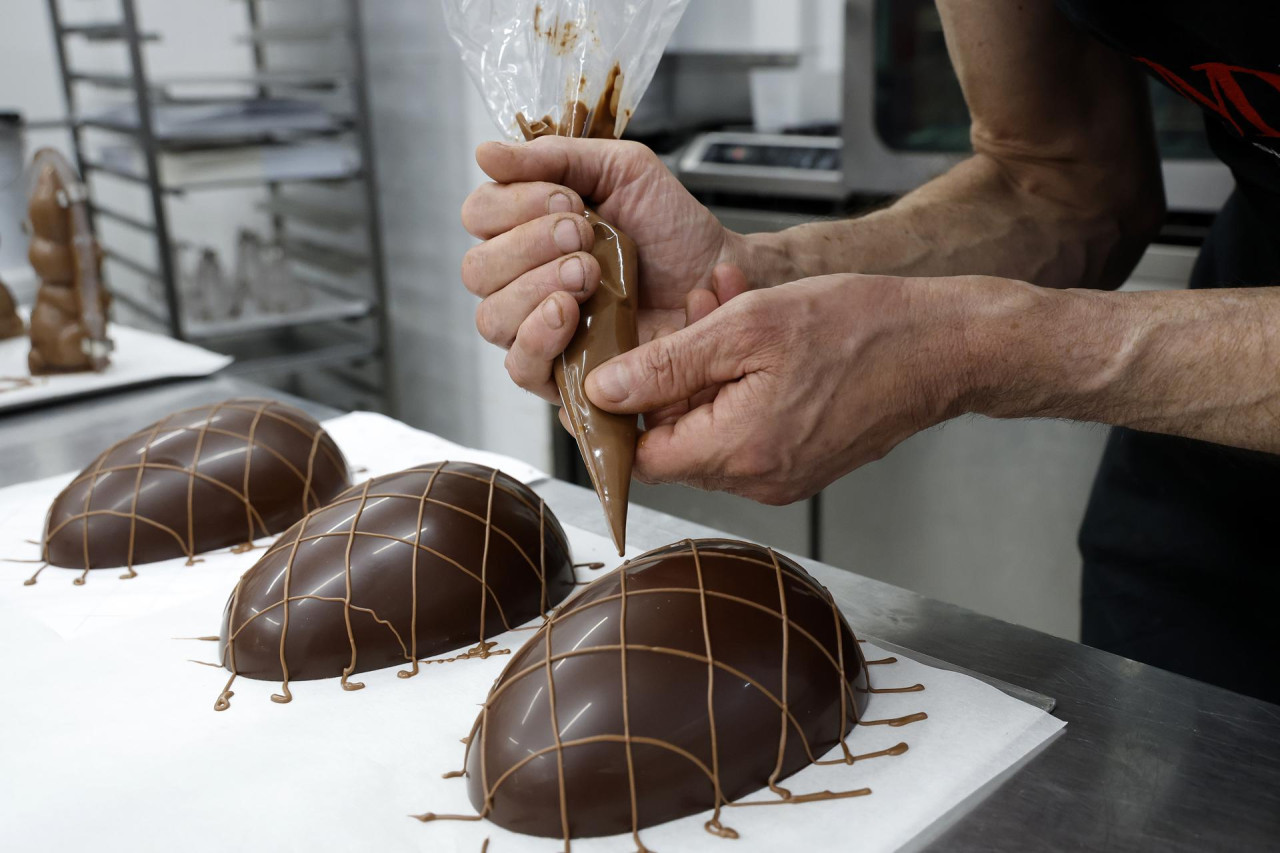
(139, 357)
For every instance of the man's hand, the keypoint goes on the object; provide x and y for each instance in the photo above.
(811, 380)
(535, 266)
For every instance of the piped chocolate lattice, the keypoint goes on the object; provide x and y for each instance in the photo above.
(204, 478)
(402, 567)
(685, 680)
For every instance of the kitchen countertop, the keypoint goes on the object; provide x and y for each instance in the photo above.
(1148, 760)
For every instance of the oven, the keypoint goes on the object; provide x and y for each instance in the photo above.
(905, 119)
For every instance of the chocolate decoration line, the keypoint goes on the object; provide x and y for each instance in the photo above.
(359, 497)
(484, 564)
(482, 650)
(625, 648)
(713, 825)
(626, 722)
(786, 648)
(413, 577)
(172, 424)
(346, 598)
(285, 695)
(897, 721)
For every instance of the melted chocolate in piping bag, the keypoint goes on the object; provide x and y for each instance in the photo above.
(606, 328)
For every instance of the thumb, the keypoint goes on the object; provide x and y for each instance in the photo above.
(670, 369)
(592, 167)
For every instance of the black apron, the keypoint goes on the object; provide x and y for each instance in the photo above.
(1181, 539)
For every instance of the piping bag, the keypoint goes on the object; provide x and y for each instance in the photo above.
(576, 68)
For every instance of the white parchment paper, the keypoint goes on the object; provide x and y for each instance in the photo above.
(139, 357)
(109, 740)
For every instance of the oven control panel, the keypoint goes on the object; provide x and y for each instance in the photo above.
(807, 167)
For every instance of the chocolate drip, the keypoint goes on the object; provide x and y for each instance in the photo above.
(606, 328)
(483, 555)
(68, 322)
(197, 480)
(676, 666)
(16, 383)
(11, 325)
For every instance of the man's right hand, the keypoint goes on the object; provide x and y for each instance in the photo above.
(535, 265)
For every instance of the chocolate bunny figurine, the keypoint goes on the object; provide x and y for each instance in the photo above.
(68, 323)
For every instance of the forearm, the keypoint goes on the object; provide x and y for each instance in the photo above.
(1203, 364)
(984, 217)
(1063, 190)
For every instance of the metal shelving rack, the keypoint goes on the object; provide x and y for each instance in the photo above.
(347, 344)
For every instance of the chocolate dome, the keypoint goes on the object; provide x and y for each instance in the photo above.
(197, 480)
(690, 677)
(402, 567)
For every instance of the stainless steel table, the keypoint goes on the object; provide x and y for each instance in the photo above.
(1148, 760)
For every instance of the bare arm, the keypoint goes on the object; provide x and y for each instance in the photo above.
(1063, 189)
(1202, 364)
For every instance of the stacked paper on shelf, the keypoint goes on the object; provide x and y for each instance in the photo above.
(223, 119)
(319, 160)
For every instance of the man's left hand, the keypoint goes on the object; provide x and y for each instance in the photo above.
(810, 379)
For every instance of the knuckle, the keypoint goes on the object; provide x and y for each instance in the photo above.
(473, 271)
(471, 209)
(659, 364)
(631, 150)
(488, 326)
(755, 459)
(517, 368)
(753, 311)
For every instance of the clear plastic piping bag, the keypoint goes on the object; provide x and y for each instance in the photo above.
(576, 68)
(536, 57)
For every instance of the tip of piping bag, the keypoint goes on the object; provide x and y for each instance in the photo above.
(614, 499)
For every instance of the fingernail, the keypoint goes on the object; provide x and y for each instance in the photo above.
(567, 236)
(573, 275)
(552, 313)
(559, 203)
(611, 381)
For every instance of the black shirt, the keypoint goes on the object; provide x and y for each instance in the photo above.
(1181, 539)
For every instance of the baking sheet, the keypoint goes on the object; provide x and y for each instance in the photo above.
(138, 357)
(378, 445)
(111, 741)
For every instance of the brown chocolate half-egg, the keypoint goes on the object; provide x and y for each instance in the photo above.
(402, 567)
(686, 679)
(205, 478)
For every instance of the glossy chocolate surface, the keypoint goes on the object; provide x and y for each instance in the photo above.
(405, 566)
(205, 478)
(674, 683)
